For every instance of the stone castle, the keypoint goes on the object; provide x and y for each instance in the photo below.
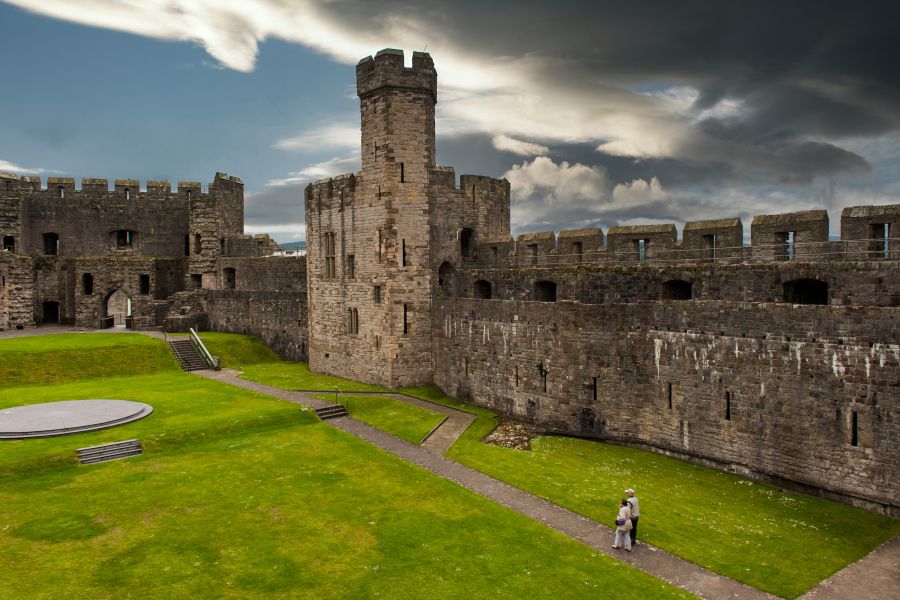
(779, 360)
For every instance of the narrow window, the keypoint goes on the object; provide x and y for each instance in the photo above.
(791, 240)
(727, 406)
(494, 254)
(669, 386)
(641, 248)
(854, 429)
(188, 193)
(229, 277)
(533, 249)
(377, 294)
(465, 242)
(709, 246)
(594, 389)
(355, 320)
(544, 379)
(577, 250)
(880, 234)
(466, 360)
(403, 253)
(402, 174)
(9, 243)
(517, 376)
(187, 245)
(405, 319)
(144, 281)
(377, 342)
(328, 250)
(351, 266)
(196, 281)
(379, 245)
(349, 320)
(221, 245)
(128, 193)
(197, 244)
(61, 191)
(87, 284)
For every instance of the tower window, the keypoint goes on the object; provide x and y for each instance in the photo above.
(144, 283)
(128, 193)
(328, 252)
(87, 284)
(377, 294)
(709, 246)
(9, 243)
(533, 249)
(197, 244)
(402, 174)
(351, 266)
(727, 406)
(669, 390)
(352, 320)
(640, 247)
(402, 253)
(880, 234)
(854, 428)
(61, 191)
(594, 389)
(405, 319)
(578, 251)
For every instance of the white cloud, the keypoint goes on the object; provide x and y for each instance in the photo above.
(557, 182)
(323, 138)
(520, 147)
(322, 170)
(10, 167)
(639, 191)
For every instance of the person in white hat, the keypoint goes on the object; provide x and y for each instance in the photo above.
(635, 513)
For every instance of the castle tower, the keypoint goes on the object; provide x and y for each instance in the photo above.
(368, 236)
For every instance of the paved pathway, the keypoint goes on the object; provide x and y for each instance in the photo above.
(876, 576)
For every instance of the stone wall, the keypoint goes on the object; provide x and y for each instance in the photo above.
(765, 390)
(16, 292)
(278, 318)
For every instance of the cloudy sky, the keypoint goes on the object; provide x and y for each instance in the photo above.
(599, 113)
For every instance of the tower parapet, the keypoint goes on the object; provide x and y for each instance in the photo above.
(387, 70)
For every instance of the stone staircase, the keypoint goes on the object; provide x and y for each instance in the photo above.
(105, 452)
(332, 411)
(186, 355)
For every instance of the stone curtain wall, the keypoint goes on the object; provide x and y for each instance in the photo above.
(849, 283)
(16, 292)
(792, 394)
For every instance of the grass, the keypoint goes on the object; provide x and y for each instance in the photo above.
(407, 422)
(41, 360)
(239, 495)
(779, 542)
(297, 376)
(237, 351)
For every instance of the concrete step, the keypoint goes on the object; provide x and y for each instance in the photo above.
(331, 412)
(111, 456)
(111, 451)
(187, 356)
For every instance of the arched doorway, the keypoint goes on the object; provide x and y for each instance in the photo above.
(118, 307)
(545, 291)
(446, 277)
(676, 289)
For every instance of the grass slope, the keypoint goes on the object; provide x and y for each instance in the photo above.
(68, 357)
(297, 376)
(409, 423)
(237, 351)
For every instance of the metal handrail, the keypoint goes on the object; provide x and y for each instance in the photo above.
(211, 361)
(346, 403)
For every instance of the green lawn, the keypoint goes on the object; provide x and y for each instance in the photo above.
(237, 351)
(407, 422)
(782, 543)
(239, 495)
(297, 376)
(70, 356)
(779, 542)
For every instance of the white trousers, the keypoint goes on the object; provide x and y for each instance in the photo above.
(622, 536)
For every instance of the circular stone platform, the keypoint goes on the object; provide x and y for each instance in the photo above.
(70, 416)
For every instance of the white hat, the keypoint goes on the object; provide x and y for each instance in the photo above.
(629, 491)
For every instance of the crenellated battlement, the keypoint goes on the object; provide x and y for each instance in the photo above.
(867, 233)
(386, 69)
(65, 187)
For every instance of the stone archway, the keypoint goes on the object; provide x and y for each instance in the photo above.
(118, 306)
